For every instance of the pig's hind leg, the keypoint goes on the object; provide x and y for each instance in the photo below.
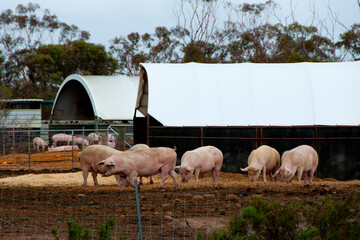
(85, 170)
(305, 174)
(311, 174)
(163, 177)
(172, 173)
(94, 176)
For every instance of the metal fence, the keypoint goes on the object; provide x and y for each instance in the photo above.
(33, 214)
(18, 152)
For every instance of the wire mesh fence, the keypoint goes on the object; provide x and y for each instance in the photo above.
(33, 214)
(19, 152)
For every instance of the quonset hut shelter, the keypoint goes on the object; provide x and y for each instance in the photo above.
(238, 107)
(96, 102)
(96, 98)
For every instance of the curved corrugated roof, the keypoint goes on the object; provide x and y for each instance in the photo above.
(250, 94)
(106, 97)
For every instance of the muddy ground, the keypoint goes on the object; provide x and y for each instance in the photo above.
(35, 201)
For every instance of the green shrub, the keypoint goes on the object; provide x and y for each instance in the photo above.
(79, 232)
(269, 219)
(336, 219)
(105, 230)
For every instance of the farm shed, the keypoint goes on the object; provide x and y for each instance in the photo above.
(96, 98)
(238, 107)
(22, 113)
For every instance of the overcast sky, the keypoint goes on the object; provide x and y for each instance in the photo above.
(107, 19)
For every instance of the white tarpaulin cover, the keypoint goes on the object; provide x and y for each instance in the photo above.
(254, 94)
(112, 97)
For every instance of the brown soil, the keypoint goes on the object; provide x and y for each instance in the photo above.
(32, 197)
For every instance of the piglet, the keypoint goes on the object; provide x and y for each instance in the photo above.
(264, 159)
(199, 161)
(301, 160)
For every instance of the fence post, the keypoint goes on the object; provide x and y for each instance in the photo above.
(29, 149)
(72, 150)
(138, 208)
(3, 141)
(13, 140)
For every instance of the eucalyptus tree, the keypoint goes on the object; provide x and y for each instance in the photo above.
(26, 29)
(48, 65)
(350, 40)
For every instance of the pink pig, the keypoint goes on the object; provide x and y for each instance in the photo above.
(91, 156)
(145, 162)
(61, 137)
(81, 141)
(63, 148)
(39, 143)
(264, 159)
(141, 146)
(301, 160)
(201, 160)
(94, 138)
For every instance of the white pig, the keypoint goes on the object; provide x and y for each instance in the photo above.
(141, 146)
(94, 138)
(264, 159)
(81, 141)
(61, 137)
(91, 156)
(301, 160)
(111, 141)
(201, 160)
(39, 143)
(146, 162)
(63, 148)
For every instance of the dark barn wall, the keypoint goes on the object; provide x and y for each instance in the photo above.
(338, 147)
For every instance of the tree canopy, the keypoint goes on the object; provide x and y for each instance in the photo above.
(38, 51)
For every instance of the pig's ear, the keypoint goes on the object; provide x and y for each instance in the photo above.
(101, 162)
(245, 169)
(190, 169)
(177, 167)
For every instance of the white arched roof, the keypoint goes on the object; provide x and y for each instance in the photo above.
(111, 97)
(251, 94)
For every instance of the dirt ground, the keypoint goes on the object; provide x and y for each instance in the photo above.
(176, 213)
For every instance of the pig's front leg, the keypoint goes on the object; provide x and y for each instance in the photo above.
(118, 179)
(123, 183)
(264, 173)
(299, 174)
(132, 177)
(197, 172)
